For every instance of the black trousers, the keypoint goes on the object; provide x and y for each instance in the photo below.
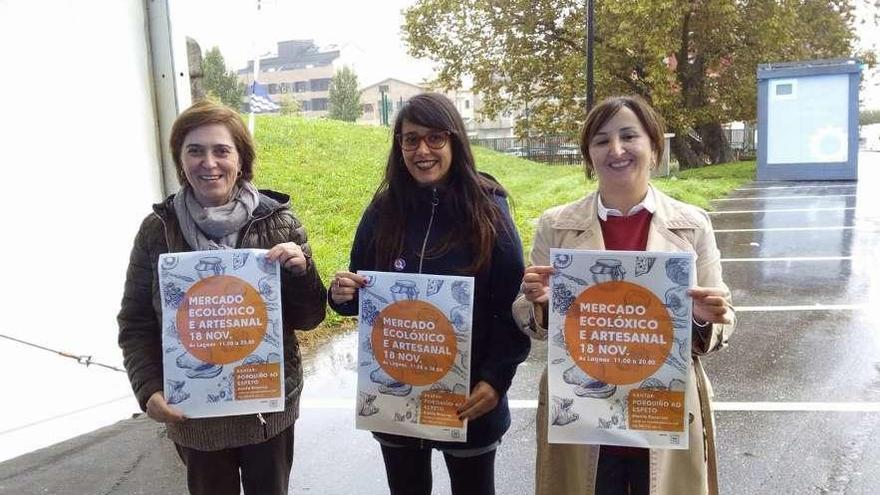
(262, 469)
(409, 472)
(623, 474)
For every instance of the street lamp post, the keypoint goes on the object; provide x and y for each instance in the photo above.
(589, 42)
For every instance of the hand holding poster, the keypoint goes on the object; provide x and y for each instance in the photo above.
(620, 340)
(221, 332)
(414, 354)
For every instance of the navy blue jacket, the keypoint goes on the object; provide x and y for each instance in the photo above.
(498, 346)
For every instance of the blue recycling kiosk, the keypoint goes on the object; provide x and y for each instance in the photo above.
(808, 120)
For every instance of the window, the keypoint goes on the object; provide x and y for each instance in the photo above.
(467, 104)
(300, 86)
(784, 89)
(368, 108)
(306, 105)
(319, 104)
(273, 89)
(320, 84)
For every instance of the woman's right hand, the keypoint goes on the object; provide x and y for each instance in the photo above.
(536, 284)
(344, 286)
(159, 410)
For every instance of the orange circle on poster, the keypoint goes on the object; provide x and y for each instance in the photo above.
(414, 342)
(618, 332)
(222, 319)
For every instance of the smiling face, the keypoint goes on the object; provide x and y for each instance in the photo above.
(210, 163)
(426, 165)
(622, 155)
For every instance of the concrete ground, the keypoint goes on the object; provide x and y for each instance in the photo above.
(797, 391)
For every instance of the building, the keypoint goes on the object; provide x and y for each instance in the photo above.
(393, 92)
(301, 70)
(478, 126)
(398, 92)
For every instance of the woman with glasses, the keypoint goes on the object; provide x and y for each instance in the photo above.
(434, 213)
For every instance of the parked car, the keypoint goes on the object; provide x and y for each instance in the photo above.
(524, 152)
(568, 150)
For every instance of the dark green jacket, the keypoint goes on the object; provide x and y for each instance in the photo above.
(140, 327)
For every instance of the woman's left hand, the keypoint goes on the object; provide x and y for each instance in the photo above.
(291, 257)
(710, 305)
(483, 399)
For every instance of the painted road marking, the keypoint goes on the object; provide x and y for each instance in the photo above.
(793, 187)
(798, 406)
(787, 229)
(752, 198)
(804, 307)
(718, 406)
(794, 258)
(785, 210)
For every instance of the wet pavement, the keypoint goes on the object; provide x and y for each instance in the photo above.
(797, 391)
(816, 366)
(793, 388)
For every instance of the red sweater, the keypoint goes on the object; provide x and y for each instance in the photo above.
(626, 234)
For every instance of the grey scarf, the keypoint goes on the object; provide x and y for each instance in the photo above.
(215, 227)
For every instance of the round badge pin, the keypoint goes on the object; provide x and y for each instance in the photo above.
(399, 264)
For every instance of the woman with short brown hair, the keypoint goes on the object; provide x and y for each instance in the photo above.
(622, 141)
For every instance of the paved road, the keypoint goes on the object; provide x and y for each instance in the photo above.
(798, 390)
(806, 346)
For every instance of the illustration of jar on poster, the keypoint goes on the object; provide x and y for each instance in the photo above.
(221, 332)
(414, 355)
(620, 348)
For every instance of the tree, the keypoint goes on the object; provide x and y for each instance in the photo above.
(345, 97)
(695, 61)
(868, 117)
(290, 105)
(220, 82)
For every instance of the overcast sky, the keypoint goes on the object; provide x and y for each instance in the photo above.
(373, 26)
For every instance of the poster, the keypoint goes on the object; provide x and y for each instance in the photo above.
(221, 332)
(414, 334)
(619, 347)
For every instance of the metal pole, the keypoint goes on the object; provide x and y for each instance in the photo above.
(589, 42)
(256, 77)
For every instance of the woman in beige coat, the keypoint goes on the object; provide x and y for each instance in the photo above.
(622, 140)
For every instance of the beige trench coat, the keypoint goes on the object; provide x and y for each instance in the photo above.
(564, 469)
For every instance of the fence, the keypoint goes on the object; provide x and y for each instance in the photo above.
(552, 150)
(562, 150)
(742, 142)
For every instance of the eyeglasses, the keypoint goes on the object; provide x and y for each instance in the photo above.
(434, 139)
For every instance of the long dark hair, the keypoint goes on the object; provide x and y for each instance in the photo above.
(468, 194)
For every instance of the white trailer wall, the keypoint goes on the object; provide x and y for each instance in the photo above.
(81, 166)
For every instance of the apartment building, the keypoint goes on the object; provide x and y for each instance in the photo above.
(397, 92)
(388, 93)
(301, 70)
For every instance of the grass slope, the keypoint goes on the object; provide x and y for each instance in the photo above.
(331, 169)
